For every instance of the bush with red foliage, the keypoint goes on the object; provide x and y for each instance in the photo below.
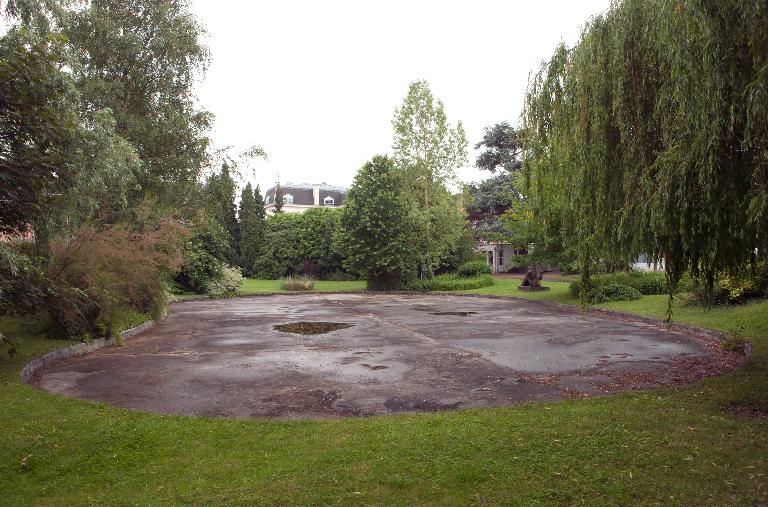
(99, 273)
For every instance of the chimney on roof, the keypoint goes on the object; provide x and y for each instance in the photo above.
(316, 194)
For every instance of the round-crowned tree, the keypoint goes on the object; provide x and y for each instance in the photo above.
(376, 228)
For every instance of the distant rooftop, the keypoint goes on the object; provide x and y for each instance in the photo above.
(323, 186)
(304, 194)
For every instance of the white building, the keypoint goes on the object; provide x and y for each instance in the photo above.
(298, 198)
(500, 257)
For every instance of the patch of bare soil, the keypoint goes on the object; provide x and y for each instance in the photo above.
(685, 369)
(417, 405)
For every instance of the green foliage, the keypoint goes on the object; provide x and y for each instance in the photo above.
(118, 320)
(11, 346)
(252, 227)
(299, 243)
(24, 286)
(279, 255)
(649, 136)
(425, 146)
(463, 250)
(278, 198)
(612, 292)
(199, 270)
(737, 287)
(502, 147)
(749, 283)
(340, 276)
(376, 230)
(427, 152)
(488, 201)
(646, 283)
(220, 191)
(141, 59)
(101, 143)
(227, 284)
(39, 126)
(450, 282)
(205, 253)
(302, 283)
(315, 229)
(474, 268)
(91, 283)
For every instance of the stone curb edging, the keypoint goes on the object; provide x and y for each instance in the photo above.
(78, 349)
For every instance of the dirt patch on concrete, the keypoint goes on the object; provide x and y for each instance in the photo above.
(391, 354)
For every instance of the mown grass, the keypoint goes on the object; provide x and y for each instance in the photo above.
(254, 286)
(668, 446)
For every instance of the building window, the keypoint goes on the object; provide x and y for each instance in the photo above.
(328, 201)
(287, 199)
(501, 256)
(490, 258)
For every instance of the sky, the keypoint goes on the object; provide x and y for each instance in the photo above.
(316, 84)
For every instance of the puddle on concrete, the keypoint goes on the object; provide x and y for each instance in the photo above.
(458, 314)
(311, 327)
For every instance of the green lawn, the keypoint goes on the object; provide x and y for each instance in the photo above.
(253, 286)
(667, 446)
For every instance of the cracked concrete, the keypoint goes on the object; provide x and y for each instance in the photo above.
(402, 353)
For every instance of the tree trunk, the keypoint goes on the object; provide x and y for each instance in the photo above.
(535, 282)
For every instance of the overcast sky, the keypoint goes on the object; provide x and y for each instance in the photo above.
(316, 83)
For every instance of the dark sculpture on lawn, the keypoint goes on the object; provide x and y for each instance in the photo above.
(532, 280)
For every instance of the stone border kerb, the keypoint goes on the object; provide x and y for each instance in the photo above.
(78, 349)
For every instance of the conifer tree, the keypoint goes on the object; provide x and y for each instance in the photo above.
(221, 190)
(251, 227)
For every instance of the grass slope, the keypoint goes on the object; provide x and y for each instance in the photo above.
(667, 446)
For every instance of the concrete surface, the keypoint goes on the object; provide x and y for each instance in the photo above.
(403, 353)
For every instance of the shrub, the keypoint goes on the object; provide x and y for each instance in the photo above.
(297, 284)
(340, 276)
(734, 288)
(228, 284)
(462, 251)
(102, 270)
(388, 281)
(279, 255)
(646, 283)
(119, 319)
(472, 269)
(450, 282)
(750, 283)
(613, 292)
(12, 346)
(200, 269)
(24, 287)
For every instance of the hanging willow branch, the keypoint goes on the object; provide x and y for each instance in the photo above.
(651, 135)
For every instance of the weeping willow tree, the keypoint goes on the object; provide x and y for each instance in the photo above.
(650, 136)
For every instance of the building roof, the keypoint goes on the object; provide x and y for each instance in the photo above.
(303, 193)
